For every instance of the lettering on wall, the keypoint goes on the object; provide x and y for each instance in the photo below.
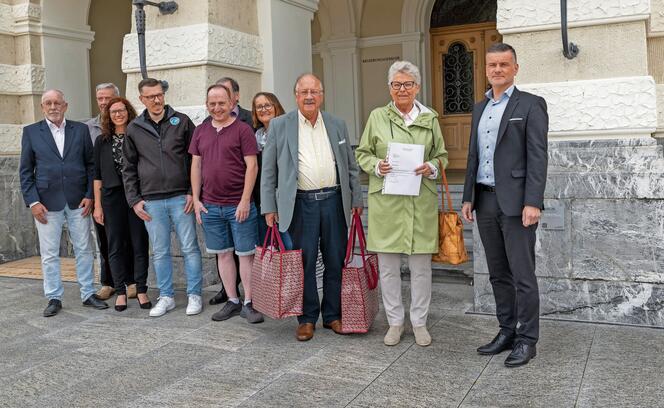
(381, 59)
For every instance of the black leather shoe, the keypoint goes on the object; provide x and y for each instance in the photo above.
(92, 301)
(220, 297)
(521, 355)
(499, 344)
(54, 306)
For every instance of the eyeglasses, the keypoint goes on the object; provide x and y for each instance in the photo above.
(312, 92)
(153, 97)
(265, 107)
(117, 112)
(408, 85)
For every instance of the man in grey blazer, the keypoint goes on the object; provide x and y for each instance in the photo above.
(505, 181)
(310, 186)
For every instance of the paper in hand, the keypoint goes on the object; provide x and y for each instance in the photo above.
(404, 159)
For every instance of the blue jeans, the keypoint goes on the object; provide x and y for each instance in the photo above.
(223, 232)
(49, 247)
(164, 213)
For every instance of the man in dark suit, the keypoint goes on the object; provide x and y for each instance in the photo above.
(56, 172)
(505, 180)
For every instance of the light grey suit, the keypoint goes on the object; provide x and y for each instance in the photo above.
(280, 167)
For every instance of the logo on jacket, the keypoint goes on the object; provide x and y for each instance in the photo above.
(174, 120)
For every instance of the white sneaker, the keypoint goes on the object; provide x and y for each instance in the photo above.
(422, 336)
(195, 305)
(164, 305)
(393, 335)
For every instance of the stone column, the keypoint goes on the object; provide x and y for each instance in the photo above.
(21, 84)
(285, 31)
(601, 234)
(343, 91)
(202, 42)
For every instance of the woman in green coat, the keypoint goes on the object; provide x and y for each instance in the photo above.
(401, 224)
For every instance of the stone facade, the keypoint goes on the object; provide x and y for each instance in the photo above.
(605, 263)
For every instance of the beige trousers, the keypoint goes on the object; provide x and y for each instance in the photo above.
(389, 266)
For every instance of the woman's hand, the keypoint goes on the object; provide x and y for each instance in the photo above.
(98, 215)
(384, 167)
(424, 170)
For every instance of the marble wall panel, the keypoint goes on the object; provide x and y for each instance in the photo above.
(18, 235)
(597, 301)
(618, 240)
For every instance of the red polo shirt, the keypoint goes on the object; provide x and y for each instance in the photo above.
(222, 160)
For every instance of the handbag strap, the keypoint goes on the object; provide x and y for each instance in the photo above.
(356, 229)
(445, 187)
(272, 235)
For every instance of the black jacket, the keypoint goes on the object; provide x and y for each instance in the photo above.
(157, 165)
(520, 159)
(104, 164)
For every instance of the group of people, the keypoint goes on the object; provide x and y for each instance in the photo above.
(239, 172)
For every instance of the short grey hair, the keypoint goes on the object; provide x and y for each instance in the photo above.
(57, 91)
(404, 67)
(108, 85)
(307, 74)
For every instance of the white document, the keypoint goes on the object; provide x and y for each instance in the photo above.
(404, 159)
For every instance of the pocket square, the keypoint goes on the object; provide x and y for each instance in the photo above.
(515, 119)
(342, 142)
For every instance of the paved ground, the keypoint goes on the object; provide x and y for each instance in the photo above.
(88, 358)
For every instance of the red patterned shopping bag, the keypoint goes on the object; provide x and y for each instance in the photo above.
(359, 284)
(277, 278)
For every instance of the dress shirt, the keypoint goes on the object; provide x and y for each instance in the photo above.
(236, 110)
(58, 134)
(316, 166)
(487, 135)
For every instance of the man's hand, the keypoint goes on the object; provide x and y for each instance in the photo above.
(384, 167)
(357, 210)
(467, 212)
(86, 205)
(189, 204)
(98, 215)
(530, 215)
(198, 208)
(39, 212)
(271, 219)
(140, 212)
(242, 211)
(424, 170)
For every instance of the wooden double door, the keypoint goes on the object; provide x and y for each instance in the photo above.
(459, 81)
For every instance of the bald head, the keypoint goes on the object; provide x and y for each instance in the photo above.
(54, 106)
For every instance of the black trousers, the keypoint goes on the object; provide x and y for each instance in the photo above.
(105, 277)
(323, 220)
(128, 242)
(510, 256)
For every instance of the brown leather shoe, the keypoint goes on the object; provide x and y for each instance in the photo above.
(335, 326)
(132, 291)
(305, 331)
(105, 292)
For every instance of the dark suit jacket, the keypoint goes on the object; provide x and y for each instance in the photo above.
(520, 158)
(52, 179)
